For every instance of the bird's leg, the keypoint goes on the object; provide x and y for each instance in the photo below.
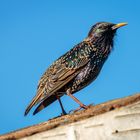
(63, 110)
(76, 100)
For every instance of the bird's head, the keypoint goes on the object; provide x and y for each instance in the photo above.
(104, 29)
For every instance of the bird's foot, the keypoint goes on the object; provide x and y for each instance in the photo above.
(63, 113)
(82, 106)
(86, 106)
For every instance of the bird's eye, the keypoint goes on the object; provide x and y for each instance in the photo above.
(99, 30)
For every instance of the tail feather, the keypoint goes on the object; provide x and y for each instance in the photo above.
(34, 101)
(45, 103)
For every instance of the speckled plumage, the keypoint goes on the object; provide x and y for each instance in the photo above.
(77, 68)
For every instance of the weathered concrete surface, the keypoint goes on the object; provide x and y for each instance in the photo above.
(114, 120)
(120, 124)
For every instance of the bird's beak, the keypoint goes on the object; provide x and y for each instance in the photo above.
(116, 26)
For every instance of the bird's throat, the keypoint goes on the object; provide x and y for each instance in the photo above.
(103, 44)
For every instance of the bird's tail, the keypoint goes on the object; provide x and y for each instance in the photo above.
(34, 101)
(45, 103)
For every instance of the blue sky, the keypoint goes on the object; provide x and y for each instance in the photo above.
(35, 33)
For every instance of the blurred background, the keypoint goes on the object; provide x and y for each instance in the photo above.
(34, 33)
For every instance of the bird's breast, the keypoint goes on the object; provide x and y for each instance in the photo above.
(87, 75)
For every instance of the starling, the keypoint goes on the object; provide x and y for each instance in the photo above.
(77, 68)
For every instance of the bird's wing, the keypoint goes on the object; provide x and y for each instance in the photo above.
(60, 73)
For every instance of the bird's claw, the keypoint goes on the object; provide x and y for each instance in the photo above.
(63, 113)
(86, 106)
(81, 107)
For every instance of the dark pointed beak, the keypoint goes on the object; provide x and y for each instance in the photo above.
(116, 26)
